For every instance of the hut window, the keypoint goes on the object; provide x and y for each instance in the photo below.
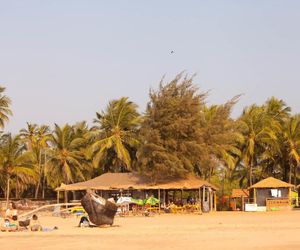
(275, 193)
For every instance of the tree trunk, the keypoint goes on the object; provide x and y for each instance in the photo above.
(43, 176)
(17, 187)
(250, 175)
(290, 174)
(37, 189)
(8, 190)
(39, 182)
(295, 175)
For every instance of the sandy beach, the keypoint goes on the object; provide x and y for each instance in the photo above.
(219, 230)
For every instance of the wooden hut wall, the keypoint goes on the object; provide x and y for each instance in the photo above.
(263, 193)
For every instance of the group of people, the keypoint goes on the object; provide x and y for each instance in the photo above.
(11, 221)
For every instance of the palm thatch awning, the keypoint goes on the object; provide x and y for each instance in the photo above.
(238, 193)
(271, 183)
(126, 181)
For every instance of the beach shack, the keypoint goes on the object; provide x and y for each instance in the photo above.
(238, 198)
(138, 186)
(270, 194)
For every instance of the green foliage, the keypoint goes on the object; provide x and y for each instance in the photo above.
(170, 130)
(15, 169)
(5, 110)
(114, 139)
(66, 160)
(178, 135)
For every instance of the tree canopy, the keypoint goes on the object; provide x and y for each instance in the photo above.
(179, 134)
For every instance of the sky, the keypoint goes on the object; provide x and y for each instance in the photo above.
(62, 61)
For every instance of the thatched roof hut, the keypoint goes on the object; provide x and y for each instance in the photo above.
(271, 193)
(238, 193)
(126, 181)
(271, 182)
(133, 182)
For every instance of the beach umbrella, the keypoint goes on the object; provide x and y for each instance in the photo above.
(124, 200)
(138, 201)
(152, 201)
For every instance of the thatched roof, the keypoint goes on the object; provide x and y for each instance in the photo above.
(113, 181)
(271, 183)
(237, 193)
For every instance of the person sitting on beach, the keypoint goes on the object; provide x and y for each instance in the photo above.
(84, 222)
(11, 211)
(35, 224)
(10, 225)
(169, 207)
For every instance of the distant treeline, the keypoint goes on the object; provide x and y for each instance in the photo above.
(178, 134)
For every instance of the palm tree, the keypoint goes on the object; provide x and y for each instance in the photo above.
(257, 131)
(5, 110)
(13, 162)
(66, 162)
(114, 139)
(221, 138)
(36, 139)
(291, 135)
(274, 157)
(29, 135)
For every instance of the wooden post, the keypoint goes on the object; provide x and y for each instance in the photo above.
(159, 201)
(254, 195)
(243, 205)
(215, 201)
(164, 198)
(66, 197)
(200, 208)
(290, 196)
(57, 198)
(211, 200)
(203, 196)
(181, 191)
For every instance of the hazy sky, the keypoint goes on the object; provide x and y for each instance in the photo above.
(62, 61)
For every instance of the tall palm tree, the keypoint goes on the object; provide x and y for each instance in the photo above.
(221, 136)
(115, 136)
(36, 139)
(257, 131)
(29, 135)
(44, 137)
(65, 159)
(274, 158)
(13, 162)
(292, 143)
(5, 110)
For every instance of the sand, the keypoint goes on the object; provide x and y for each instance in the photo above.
(218, 230)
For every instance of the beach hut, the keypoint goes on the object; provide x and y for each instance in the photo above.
(135, 184)
(238, 196)
(271, 194)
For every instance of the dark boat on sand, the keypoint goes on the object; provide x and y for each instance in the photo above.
(100, 210)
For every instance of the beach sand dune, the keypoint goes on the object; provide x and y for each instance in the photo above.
(218, 230)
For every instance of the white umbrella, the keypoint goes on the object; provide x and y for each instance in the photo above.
(124, 200)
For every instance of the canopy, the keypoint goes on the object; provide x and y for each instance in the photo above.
(271, 183)
(126, 181)
(237, 193)
(151, 201)
(124, 200)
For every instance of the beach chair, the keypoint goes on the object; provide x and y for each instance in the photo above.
(56, 212)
